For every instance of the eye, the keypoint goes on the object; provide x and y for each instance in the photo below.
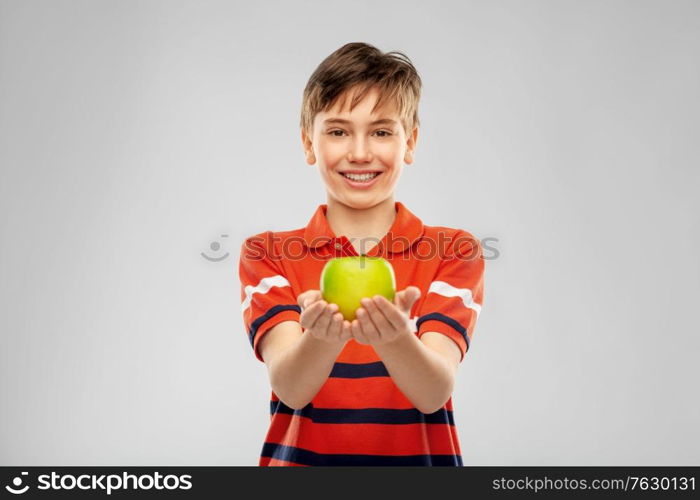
(385, 132)
(333, 132)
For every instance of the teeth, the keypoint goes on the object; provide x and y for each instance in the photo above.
(361, 177)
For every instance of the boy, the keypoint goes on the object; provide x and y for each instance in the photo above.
(377, 390)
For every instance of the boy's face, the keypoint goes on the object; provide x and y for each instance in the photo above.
(358, 144)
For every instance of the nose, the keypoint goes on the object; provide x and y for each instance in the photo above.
(360, 151)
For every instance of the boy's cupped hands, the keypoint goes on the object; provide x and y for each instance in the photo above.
(378, 321)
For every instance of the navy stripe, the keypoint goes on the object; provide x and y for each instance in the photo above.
(308, 457)
(359, 370)
(447, 320)
(268, 314)
(365, 415)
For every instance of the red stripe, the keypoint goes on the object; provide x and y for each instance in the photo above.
(372, 439)
(354, 394)
(354, 352)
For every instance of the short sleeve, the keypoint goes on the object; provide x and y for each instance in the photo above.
(453, 300)
(266, 294)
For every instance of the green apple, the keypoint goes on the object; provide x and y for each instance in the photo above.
(347, 280)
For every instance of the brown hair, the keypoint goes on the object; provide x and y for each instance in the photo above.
(364, 65)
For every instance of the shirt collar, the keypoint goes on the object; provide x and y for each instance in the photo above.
(406, 229)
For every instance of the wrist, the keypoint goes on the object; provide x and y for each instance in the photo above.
(324, 344)
(400, 343)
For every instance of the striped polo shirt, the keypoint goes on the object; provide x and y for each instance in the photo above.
(359, 416)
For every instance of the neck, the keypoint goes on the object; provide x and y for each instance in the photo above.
(367, 224)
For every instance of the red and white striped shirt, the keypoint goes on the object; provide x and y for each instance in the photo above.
(359, 416)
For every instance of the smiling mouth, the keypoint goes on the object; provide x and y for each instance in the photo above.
(361, 177)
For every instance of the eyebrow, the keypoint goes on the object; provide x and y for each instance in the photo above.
(381, 121)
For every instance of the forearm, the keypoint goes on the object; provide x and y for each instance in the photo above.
(298, 372)
(421, 373)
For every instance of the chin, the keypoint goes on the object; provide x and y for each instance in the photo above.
(356, 202)
(361, 202)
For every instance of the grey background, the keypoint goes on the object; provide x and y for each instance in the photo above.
(135, 134)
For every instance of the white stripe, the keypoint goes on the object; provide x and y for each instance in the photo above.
(263, 287)
(445, 289)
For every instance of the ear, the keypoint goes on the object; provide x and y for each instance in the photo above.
(308, 148)
(410, 146)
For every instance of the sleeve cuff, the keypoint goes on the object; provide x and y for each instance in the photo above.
(435, 325)
(286, 315)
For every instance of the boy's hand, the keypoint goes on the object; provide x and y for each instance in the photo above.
(380, 322)
(321, 319)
